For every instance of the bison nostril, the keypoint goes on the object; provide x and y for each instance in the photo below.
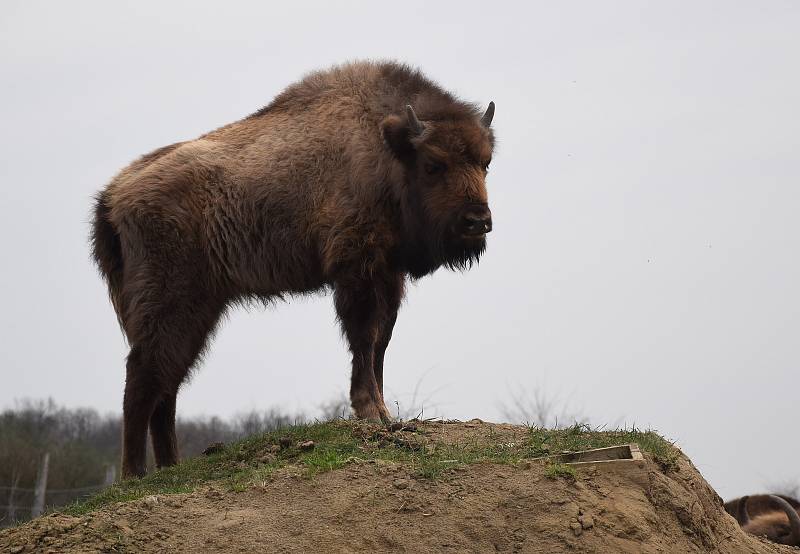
(477, 223)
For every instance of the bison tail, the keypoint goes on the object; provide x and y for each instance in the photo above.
(107, 252)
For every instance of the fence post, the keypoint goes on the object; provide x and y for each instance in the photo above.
(12, 508)
(111, 475)
(41, 487)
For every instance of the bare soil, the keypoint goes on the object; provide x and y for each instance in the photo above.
(380, 506)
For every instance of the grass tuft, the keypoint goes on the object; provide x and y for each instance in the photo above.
(558, 470)
(546, 442)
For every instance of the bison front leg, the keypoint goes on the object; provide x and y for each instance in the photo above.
(394, 296)
(362, 310)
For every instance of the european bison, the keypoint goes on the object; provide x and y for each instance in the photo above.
(355, 179)
(756, 504)
(771, 516)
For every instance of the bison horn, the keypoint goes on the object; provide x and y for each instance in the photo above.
(414, 124)
(741, 511)
(486, 120)
(794, 520)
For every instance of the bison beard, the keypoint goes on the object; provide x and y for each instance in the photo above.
(354, 179)
(441, 247)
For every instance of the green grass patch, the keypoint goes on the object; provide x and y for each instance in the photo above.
(559, 470)
(337, 443)
(547, 442)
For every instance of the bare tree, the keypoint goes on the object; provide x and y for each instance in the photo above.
(335, 408)
(421, 404)
(540, 409)
(788, 487)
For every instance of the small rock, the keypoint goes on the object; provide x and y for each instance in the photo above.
(400, 484)
(151, 501)
(17, 549)
(587, 522)
(213, 448)
(285, 442)
(576, 528)
(475, 420)
(306, 445)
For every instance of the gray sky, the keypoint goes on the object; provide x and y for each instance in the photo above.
(645, 193)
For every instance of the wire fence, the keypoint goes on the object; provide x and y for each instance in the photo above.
(51, 456)
(20, 502)
(56, 491)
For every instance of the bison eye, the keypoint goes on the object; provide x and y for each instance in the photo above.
(434, 168)
(486, 165)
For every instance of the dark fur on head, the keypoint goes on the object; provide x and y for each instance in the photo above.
(445, 169)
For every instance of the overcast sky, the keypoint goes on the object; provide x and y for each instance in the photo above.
(645, 192)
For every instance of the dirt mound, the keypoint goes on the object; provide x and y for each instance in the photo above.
(369, 503)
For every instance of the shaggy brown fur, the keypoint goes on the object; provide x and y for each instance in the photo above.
(771, 516)
(338, 183)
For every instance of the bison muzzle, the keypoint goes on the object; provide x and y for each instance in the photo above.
(354, 179)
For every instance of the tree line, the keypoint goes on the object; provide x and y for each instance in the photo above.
(83, 448)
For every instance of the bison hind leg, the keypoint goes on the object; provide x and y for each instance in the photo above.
(161, 356)
(162, 430)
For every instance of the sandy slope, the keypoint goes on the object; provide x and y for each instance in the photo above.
(380, 507)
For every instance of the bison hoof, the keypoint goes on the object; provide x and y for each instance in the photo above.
(373, 411)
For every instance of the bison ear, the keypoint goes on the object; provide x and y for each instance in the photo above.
(398, 135)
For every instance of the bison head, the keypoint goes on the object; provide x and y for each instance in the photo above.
(444, 200)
